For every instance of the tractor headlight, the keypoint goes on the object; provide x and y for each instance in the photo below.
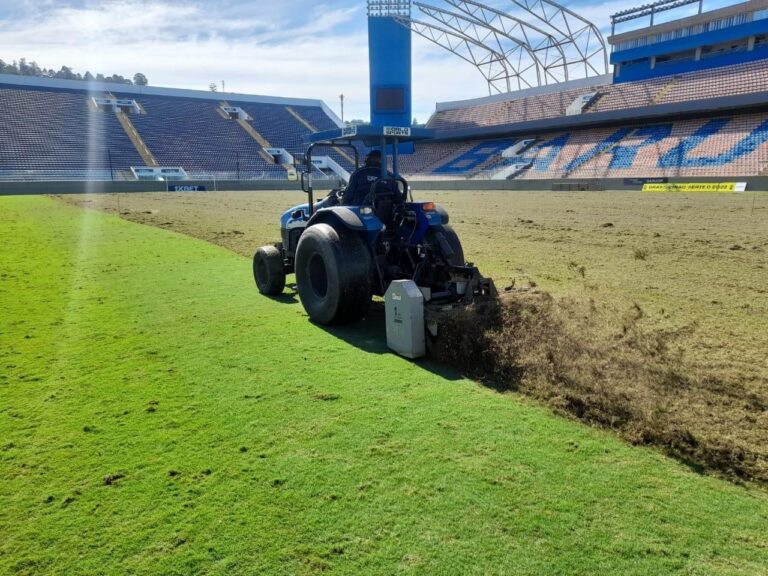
(366, 210)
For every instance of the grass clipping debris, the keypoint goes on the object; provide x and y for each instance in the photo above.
(623, 378)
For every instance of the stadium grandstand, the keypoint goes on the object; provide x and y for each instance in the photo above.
(703, 115)
(687, 97)
(61, 130)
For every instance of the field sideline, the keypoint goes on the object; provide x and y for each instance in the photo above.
(158, 416)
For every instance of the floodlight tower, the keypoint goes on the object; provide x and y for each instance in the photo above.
(389, 49)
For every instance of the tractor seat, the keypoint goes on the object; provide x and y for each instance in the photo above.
(386, 197)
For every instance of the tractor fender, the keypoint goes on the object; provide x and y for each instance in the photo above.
(443, 213)
(297, 216)
(292, 215)
(346, 217)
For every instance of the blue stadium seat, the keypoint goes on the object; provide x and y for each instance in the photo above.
(190, 133)
(59, 131)
(474, 157)
(56, 130)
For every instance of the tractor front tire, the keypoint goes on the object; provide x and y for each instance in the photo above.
(268, 270)
(333, 275)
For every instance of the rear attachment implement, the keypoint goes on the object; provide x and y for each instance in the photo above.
(414, 313)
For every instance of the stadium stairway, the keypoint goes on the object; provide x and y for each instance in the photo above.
(312, 129)
(659, 96)
(130, 131)
(498, 164)
(253, 133)
(138, 142)
(489, 163)
(521, 171)
(592, 106)
(221, 112)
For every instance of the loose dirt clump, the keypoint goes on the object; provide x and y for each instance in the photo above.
(111, 479)
(606, 370)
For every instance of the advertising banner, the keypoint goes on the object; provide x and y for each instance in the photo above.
(696, 187)
(640, 181)
(185, 188)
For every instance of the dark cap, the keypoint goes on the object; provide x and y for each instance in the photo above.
(373, 156)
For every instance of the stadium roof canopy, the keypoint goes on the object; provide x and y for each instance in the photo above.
(532, 43)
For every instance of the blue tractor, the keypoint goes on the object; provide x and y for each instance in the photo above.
(343, 255)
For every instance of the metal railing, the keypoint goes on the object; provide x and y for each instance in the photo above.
(61, 175)
(126, 175)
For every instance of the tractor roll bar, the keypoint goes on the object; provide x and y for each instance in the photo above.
(306, 176)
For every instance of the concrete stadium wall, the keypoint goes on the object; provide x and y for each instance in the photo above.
(30, 188)
(754, 183)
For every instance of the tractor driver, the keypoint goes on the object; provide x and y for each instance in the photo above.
(361, 180)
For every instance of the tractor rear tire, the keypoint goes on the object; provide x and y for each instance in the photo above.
(333, 275)
(269, 271)
(457, 258)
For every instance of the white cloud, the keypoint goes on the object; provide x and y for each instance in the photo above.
(182, 46)
(292, 48)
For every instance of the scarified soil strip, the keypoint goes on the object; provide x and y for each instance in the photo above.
(628, 380)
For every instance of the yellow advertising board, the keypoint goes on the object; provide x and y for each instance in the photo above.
(696, 187)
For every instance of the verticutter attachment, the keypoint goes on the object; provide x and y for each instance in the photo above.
(404, 305)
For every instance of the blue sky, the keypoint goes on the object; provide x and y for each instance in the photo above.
(301, 48)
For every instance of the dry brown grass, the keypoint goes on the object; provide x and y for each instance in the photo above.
(609, 371)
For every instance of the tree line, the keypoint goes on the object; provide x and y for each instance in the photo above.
(24, 68)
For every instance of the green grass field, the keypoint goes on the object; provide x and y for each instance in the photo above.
(157, 416)
(687, 270)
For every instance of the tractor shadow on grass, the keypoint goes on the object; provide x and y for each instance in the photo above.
(286, 298)
(369, 335)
